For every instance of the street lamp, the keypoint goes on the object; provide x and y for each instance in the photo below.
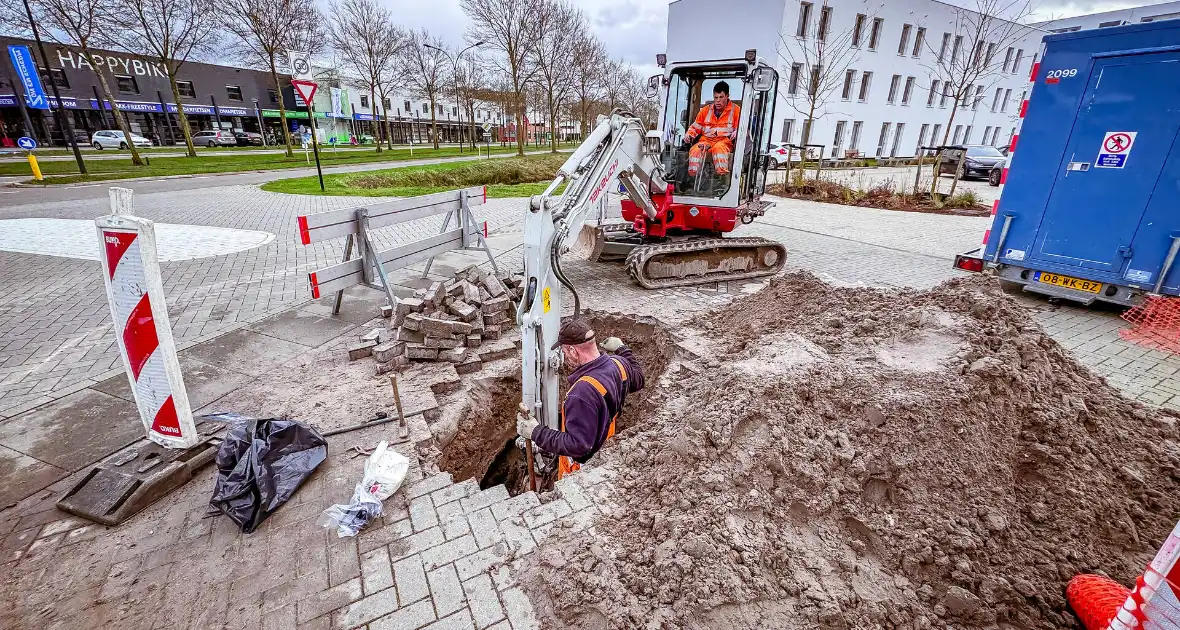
(455, 73)
(261, 129)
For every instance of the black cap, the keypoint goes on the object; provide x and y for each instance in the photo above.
(574, 331)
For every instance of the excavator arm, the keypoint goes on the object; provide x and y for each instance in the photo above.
(618, 149)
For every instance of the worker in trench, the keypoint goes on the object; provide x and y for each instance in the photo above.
(598, 390)
(713, 132)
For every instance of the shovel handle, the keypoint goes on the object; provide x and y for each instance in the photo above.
(528, 452)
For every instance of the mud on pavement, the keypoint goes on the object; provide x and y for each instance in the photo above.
(858, 458)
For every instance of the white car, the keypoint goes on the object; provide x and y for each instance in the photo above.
(114, 139)
(213, 138)
(779, 153)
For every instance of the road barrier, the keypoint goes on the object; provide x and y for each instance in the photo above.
(370, 267)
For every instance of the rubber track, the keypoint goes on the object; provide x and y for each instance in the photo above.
(640, 256)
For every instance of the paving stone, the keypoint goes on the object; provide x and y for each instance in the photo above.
(517, 535)
(365, 610)
(447, 510)
(422, 513)
(455, 526)
(458, 621)
(483, 601)
(420, 352)
(369, 540)
(449, 552)
(410, 578)
(409, 618)
(479, 562)
(483, 526)
(361, 350)
(413, 322)
(376, 571)
(454, 492)
(547, 513)
(280, 619)
(343, 562)
(572, 493)
(388, 351)
(446, 590)
(469, 365)
(519, 610)
(324, 602)
(515, 505)
(416, 543)
(428, 485)
(485, 498)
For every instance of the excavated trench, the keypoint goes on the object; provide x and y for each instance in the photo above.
(485, 446)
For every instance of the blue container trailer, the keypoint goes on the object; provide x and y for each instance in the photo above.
(1091, 206)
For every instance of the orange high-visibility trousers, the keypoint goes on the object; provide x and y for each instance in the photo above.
(718, 148)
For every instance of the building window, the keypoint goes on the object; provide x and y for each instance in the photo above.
(897, 133)
(946, 41)
(1008, 58)
(995, 135)
(406, 106)
(935, 138)
(996, 99)
(57, 75)
(908, 91)
(866, 79)
(813, 86)
(849, 79)
(1011, 134)
(1023, 96)
(1016, 64)
(933, 92)
(838, 140)
(958, 132)
(825, 23)
(904, 44)
(272, 95)
(859, 29)
(788, 128)
(956, 49)
(946, 92)
(793, 83)
(364, 100)
(884, 137)
(921, 139)
(967, 135)
(1068, 29)
(854, 143)
(1109, 24)
(805, 135)
(234, 92)
(991, 54)
(455, 110)
(126, 85)
(987, 132)
(186, 89)
(977, 55)
(875, 34)
(894, 84)
(1004, 103)
(919, 40)
(388, 105)
(425, 108)
(804, 19)
(978, 97)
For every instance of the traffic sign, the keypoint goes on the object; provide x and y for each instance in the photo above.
(26, 143)
(300, 64)
(1116, 148)
(305, 89)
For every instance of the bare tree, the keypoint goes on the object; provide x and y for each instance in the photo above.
(266, 30)
(171, 31)
(364, 35)
(510, 27)
(636, 96)
(816, 65)
(80, 23)
(429, 72)
(557, 44)
(468, 83)
(589, 64)
(614, 82)
(972, 64)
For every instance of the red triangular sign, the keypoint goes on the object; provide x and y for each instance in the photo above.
(306, 89)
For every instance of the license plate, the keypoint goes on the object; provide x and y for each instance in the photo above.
(1089, 286)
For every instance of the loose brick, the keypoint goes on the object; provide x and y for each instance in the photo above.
(496, 305)
(485, 498)
(463, 310)
(422, 513)
(494, 286)
(474, 341)
(479, 562)
(408, 336)
(454, 355)
(434, 295)
(483, 601)
(361, 350)
(470, 364)
(449, 552)
(386, 352)
(410, 618)
(372, 335)
(450, 343)
(387, 311)
(432, 342)
(376, 571)
(410, 579)
(365, 610)
(494, 319)
(483, 526)
(397, 363)
(446, 590)
(420, 352)
(491, 332)
(413, 321)
(454, 288)
(471, 294)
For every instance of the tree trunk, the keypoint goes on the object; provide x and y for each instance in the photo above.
(120, 119)
(376, 118)
(433, 121)
(184, 128)
(274, 75)
(552, 124)
(938, 159)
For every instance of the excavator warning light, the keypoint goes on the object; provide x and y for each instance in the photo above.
(661, 59)
(751, 55)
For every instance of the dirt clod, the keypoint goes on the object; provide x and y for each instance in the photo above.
(857, 458)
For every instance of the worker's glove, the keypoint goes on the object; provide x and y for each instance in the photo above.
(612, 344)
(525, 426)
(687, 143)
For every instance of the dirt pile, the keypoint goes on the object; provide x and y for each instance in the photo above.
(854, 458)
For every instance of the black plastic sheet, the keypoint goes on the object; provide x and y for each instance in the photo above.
(261, 464)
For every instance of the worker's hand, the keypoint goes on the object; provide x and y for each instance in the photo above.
(687, 143)
(612, 344)
(525, 426)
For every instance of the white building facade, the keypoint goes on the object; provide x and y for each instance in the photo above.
(885, 101)
(1137, 15)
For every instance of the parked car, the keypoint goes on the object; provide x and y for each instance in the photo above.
(997, 173)
(114, 139)
(213, 138)
(248, 139)
(779, 153)
(979, 162)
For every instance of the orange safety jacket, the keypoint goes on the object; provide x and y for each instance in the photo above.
(711, 126)
(566, 465)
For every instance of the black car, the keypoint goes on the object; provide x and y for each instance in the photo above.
(979, 162)
(248, 139)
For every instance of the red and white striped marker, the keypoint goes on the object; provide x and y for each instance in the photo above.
(135, 291)
(1154, 602)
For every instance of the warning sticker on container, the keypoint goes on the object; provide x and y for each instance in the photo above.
(1116, 148)
(1014, 254)
(1137, 275)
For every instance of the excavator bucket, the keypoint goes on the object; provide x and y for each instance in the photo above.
(590, 241)
(606, 242)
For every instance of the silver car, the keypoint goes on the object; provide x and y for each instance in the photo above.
(213, 138)
(114, 139)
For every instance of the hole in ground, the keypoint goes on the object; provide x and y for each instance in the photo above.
(484, 447)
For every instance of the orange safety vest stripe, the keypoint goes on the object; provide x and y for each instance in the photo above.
(566, 465)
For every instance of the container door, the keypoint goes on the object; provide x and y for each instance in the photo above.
(1118, 146)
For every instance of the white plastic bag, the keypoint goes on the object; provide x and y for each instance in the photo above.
(384, 472)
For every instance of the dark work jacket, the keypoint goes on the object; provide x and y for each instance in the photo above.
(588, 414)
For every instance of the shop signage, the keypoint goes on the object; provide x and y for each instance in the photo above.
(122, 65)
(192, 108)
(233, 111)
(30, 82)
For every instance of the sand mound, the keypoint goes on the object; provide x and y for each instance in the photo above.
(902, 459)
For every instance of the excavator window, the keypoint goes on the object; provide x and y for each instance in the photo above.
(690, 90)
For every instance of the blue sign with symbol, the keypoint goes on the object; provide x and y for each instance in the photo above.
(26, 143)
(30, 82)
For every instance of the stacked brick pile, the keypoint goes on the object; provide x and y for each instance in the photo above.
(446, 322)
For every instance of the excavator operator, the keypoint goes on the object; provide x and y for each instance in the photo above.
(598, 389)
(713, 132)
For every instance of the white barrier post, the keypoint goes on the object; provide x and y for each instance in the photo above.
(135, 291)
(1153, 602)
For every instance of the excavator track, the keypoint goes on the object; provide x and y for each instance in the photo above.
(699, 261)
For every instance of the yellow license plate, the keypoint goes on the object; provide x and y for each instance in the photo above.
(1089, 286)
